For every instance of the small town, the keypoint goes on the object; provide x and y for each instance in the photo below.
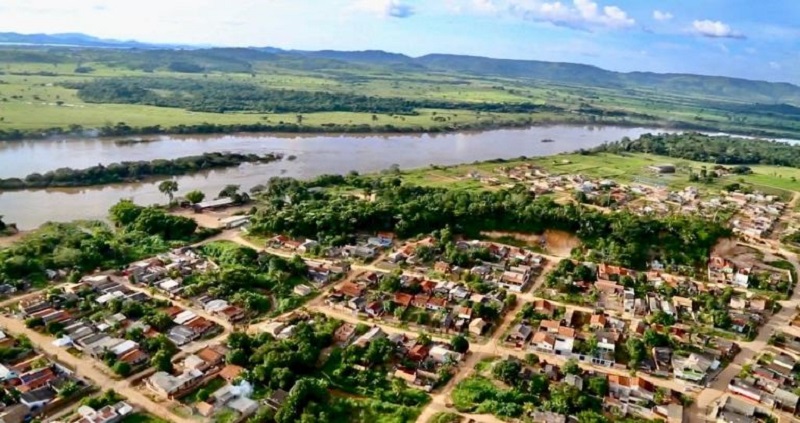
(438, 320)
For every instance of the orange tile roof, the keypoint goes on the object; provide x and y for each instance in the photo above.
(230, 372)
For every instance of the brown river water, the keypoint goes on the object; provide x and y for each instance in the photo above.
(316, 155)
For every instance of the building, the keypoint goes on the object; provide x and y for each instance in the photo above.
(441, 355)
(477, 326)
(168, 386)
(693, 368)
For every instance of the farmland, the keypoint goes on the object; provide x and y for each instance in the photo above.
(50, 89)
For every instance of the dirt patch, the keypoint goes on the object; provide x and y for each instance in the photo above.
(210, 219)
(558, 243)
(6, 241)
(742, 255)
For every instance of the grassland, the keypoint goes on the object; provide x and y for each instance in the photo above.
(33, 97)
(622, 169)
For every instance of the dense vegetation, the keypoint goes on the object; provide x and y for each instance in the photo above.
(249, 279)
(293, 364)
(622, 238)
(529, 391)
(221, 97)
(132, 171)
(81, 247)
(722, 150)
(122, 129)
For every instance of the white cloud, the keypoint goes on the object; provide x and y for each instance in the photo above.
(662, 16)
(714, 29)
(485, 5)
(775, 65)
(579, 14)
(386, 8)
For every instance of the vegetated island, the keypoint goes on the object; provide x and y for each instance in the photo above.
(133, 171)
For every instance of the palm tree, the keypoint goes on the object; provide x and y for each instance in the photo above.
(168, 188)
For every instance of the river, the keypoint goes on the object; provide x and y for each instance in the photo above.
(316, 155)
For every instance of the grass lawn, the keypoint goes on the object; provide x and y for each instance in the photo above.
(143, 418)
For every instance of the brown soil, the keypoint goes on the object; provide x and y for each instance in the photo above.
(210, 219)
(6, 241)
(558, 243)
(741, 255)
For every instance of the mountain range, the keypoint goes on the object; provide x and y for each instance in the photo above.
(717, 87)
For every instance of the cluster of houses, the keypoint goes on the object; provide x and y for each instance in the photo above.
(542, 182)
(757, 214)
(365, 249)
(596, 338)
(165, 273)
(168, 267)
(102, 337)
(41, 383)
(771, 381)
(509, 267)
(726, 272)
(109, 414)
(449, 304)
(199, 369)
(731, 409)
(421, 362)
(564, 335)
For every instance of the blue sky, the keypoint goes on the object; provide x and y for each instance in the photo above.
(741, 38)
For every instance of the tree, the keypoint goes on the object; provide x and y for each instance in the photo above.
(195, 196)
(69, 389)
(203, 394)
(121, 368)
(636, 351)
(124, 213)
(531, 359)
(571, 367)
(162, 361)
(508, 371)
(598, 386)
(460, 344)
(229, 191)
(168, 188)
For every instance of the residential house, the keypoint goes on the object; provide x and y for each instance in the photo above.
(441, 355)
(544, 341)
(168, 386)
(519, 334)
(345, 333)
(477, 326)
(37, 398)
(693, 368)
(230, 372)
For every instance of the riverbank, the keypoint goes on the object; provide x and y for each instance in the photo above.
(130, 172)
(488, 122)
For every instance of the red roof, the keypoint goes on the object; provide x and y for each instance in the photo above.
(134, 356)
(350, 289)
(418, 352)
(230, 372)
(428, 286)
(403, 299)
(173, 311)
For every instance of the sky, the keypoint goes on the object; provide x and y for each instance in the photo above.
(740, 38)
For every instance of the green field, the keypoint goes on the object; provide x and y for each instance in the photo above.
(622, 169)
(34, 96)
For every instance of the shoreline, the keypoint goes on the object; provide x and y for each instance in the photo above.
(334, 130)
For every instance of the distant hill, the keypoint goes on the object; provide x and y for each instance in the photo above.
(76, 40)
(242, 59)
